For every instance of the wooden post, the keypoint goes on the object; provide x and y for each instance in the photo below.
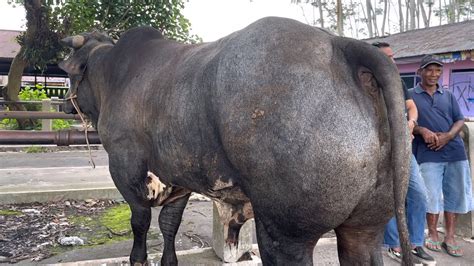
(46, 124)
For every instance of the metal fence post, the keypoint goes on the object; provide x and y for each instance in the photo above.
(46, 124)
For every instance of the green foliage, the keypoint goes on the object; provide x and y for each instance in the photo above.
(115, 17)
(30, 94)
(10, 213)
(60, 124)
(57, 19)
(26, 94)
(35, 149)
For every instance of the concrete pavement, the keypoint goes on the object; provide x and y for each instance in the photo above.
(43, 177)
(67, 175)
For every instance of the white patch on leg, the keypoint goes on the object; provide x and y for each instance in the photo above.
(154, 185)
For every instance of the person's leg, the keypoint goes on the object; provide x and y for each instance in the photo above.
(390, 237)
(432, 242)
(457, 188)
(416, 212)
(457, 191)
(450, 227)
(432, 174)
(416, 205)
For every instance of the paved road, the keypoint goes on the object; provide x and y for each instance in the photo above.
(30, 177)
(26, 177)
(26, 174)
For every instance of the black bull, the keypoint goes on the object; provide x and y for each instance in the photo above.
(307, 127)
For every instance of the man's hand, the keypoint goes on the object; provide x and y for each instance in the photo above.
(431, 139)
(443, 139)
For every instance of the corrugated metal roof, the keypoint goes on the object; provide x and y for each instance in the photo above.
(434, 40)
(8, 45)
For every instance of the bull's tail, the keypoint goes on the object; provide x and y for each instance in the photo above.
(364, 55)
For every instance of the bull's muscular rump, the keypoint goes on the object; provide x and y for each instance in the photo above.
(279, 114)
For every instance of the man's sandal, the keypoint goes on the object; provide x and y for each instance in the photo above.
(433, 245)
(452, 250)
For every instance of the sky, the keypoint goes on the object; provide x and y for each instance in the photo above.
(210, 19)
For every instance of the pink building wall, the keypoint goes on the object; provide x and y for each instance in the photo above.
(447, 69)
(459, 83)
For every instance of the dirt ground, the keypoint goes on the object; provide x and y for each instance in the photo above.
(33, 232)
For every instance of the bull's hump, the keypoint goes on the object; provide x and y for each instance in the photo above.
(139, 34)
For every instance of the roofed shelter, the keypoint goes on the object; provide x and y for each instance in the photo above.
(52, 77)
(453, 44)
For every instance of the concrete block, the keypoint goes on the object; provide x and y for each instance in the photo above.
(465, 222)
(230, 253)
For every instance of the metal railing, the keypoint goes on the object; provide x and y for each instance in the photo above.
(60, 138)
(45, 114)
(46, 135)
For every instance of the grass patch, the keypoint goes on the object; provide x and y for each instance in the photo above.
(10, 213)
(35, 149)
(117, 219)
(111, 226)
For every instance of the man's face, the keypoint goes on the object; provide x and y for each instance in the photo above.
(388, 52)
(430, 74)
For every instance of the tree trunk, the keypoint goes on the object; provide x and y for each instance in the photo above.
(407, 15)
(451, 15)
(400, 14)
(12, 89)
(430, 9)
(356, 18)
(340, 21)
(423, 14)
(374, 19)
(412, 15)
(457, 10)
(321, 13)
(369, 18)
(440, 13)
(385, 10)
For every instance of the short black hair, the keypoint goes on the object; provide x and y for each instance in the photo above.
(381, 44)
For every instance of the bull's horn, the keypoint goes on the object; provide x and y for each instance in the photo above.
(74, 41)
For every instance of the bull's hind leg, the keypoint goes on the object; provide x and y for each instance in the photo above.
(169, 220)
(277, 248)
(359, 245)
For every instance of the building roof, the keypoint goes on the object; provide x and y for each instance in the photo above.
(433, 40)
(8, 45)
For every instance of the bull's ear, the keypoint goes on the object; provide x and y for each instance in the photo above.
(74, 65)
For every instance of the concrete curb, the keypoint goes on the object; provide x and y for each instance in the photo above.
(201, 256)
(59, 195)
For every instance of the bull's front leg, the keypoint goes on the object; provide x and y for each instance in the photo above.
(129, 173)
